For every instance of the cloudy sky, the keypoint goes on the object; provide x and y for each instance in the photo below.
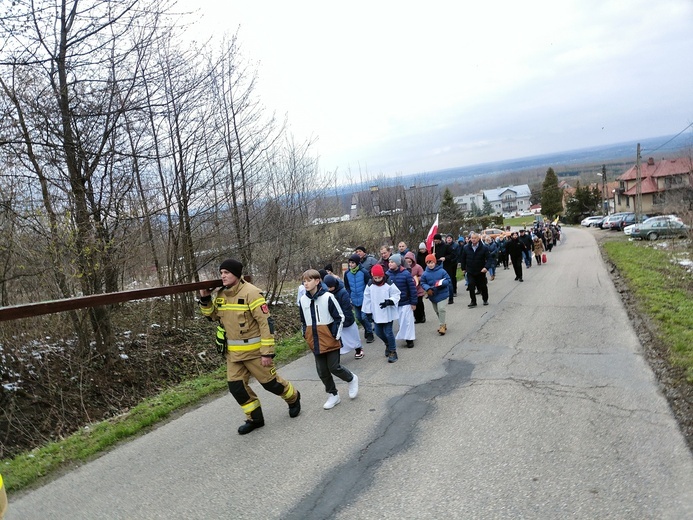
(407, 87)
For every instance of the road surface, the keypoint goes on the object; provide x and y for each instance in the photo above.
(540, 405)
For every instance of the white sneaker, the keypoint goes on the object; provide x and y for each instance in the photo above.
(354, 387)
(331, 402)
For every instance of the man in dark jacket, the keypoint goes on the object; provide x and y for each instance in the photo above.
(475, 260)
(515, 250)
(451, 261)
(526, 239)
(444, 256)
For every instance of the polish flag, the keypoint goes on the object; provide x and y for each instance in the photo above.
(429, 238)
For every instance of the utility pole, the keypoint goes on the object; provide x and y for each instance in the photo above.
(638, 187)
(605, 202)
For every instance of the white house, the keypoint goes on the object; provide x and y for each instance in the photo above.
(511, 199)
(466, 202)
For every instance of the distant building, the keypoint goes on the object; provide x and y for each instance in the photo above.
(665, 186)
(467, 202)
(388, 200)
(511, 199)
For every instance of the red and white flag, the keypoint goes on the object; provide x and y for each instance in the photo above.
(431, 233)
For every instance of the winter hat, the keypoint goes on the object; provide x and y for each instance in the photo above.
(431, 258)
(328, 267)
(377, 270)
(323, 274)
(355, 258)
(397, 258)
(232, 266)
(411, 257)
(331, 281)
(422, 245)
(360, 248)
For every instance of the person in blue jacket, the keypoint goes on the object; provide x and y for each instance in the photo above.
(437, 284)
(404, 281)
(355, 281)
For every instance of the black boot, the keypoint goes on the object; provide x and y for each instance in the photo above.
(295, 407)
(256, 421)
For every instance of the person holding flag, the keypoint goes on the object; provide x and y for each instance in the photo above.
(431, 233)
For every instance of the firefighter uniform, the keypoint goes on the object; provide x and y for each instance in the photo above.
(244, 314)
(3, 499)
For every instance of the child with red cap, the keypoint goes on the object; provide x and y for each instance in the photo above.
(380, 301)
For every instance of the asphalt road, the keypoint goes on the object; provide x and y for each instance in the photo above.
(540, 405)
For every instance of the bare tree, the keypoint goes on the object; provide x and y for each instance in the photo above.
(70, 73)
(246, 137)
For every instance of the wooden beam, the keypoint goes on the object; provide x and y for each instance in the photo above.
(37, 309)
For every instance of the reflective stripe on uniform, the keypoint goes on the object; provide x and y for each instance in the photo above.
(238, 307)
(267, 342)
(255, 304)
(288, 394)
(241, 345)
(253, 405)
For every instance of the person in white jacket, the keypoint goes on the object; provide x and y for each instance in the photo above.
(380, 301)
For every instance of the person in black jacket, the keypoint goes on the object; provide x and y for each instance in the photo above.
(515, 249)
(444, 256)
(526, 239)
(451, 261)
(475, 260)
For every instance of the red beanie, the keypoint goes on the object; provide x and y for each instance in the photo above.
(431, 258)
(377, 270)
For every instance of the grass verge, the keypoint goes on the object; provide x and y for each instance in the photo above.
(26, 468)
(664, 291)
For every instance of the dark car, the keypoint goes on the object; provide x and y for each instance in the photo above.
(606, 222)
(626, 220)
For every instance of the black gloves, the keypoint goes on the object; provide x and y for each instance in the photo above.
(387, 303)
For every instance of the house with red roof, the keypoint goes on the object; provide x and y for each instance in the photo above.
(665, 186)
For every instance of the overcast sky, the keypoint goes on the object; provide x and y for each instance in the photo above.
(407, 87)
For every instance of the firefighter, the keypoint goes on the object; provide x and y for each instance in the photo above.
(242, 310)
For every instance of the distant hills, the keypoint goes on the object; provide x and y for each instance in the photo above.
(565, 163)
(600, 154)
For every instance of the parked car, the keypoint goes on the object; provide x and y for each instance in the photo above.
(654, 228)
(591, 221)
(606, 223)
(628, 230)
(493, 232)
(626, 220)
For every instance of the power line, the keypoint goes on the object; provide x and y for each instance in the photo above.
(670, 140)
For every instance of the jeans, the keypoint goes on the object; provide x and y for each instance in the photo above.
(384, 332)
(527, 255)
(363, 320)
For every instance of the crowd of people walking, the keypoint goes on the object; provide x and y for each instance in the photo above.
(373, 293)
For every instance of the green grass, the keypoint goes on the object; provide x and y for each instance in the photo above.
(664, 291)
(26, 468)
